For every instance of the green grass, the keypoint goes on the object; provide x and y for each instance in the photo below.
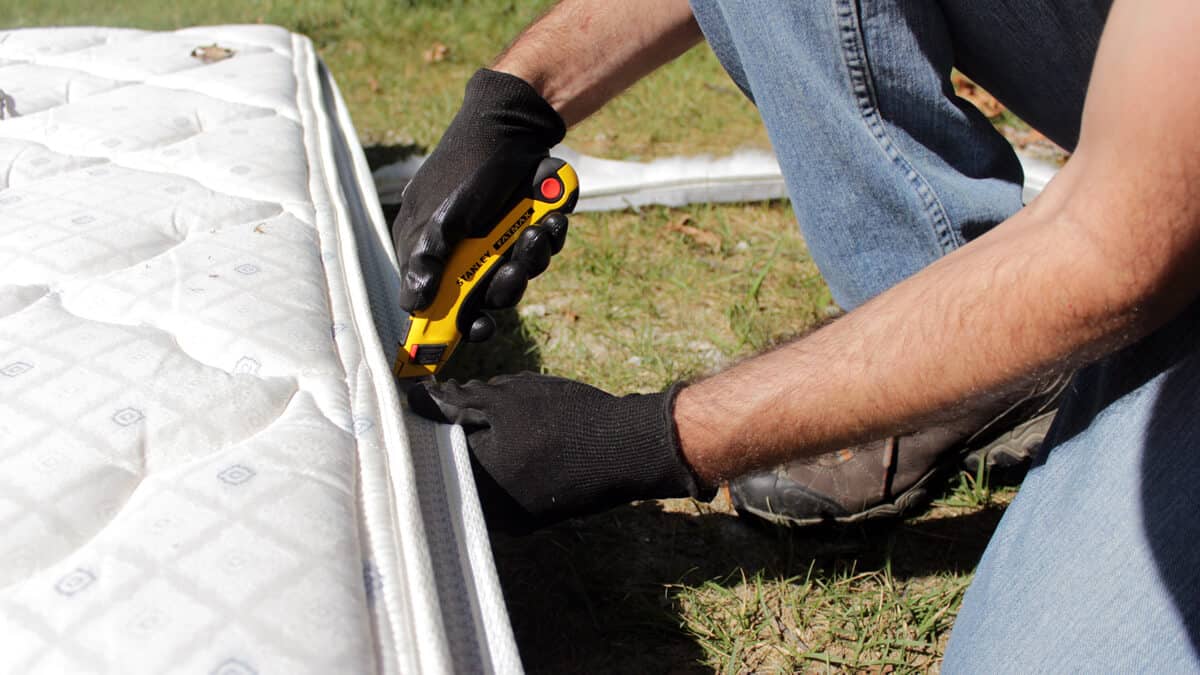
(836, 620)
(633, 304)
(685, 587)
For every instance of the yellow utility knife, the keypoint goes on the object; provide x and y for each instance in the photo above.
(434, 332)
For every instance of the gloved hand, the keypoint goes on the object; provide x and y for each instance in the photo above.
(546, 448)
(488, 154)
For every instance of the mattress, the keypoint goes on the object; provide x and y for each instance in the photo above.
(204, 463)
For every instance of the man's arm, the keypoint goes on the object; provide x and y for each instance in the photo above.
(1108, 253)
(561, 69)
(582, 53)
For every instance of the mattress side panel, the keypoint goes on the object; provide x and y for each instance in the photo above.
(474, 617)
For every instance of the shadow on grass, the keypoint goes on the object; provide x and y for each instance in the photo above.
(382, 155)
(593, 595)
(511, 350)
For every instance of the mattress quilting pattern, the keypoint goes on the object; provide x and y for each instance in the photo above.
(197, 446)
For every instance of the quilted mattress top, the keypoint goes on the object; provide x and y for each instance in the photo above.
(203, 463)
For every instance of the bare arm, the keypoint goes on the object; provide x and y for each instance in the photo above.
(1107, 254)
(582, 53)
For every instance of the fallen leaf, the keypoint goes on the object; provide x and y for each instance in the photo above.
(212, 53)
(436, 53)
(260, 228)
(707, 239)
(570, 316)
(1023, 138)
(1034, 144)
(987, 104)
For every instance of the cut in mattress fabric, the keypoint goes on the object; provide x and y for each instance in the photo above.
(204, 464)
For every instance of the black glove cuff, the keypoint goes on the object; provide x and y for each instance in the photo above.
(634, 448)
(512, 102)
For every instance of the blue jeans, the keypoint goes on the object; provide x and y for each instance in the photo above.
(1095, 566)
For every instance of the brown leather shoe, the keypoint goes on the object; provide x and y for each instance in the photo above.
(893, 477)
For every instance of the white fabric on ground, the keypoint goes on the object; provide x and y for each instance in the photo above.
(611, 185)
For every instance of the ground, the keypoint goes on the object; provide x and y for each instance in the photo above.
(636, 301)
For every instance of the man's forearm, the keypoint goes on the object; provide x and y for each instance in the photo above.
(978, 325)
(1107, 254)
(582, 53)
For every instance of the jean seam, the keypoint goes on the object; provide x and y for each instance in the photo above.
(862, 88)
(743, 83)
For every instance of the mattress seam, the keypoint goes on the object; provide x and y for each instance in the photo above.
(404, 561)
(302, 71)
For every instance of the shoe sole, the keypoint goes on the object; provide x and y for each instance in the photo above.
(909, 500)
(1013, 449)
(1018, 445)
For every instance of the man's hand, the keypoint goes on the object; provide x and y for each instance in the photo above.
(485, 158)
(562, 68)
(546, 448)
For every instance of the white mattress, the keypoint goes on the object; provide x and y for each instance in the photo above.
(204, 465)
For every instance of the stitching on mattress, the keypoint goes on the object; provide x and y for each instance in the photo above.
(109, 40)
(405, 561)
(13, 165)
(142, 474)
(183, 584)
(99, 365)
(147, 82)
(401, 551)
(341, 357)
(129, 167)
(4, 35)
(386, 597)
(7, 34)
(372, 246)
(109, 161)
(156, 323)
(44, 64)
(489, 627)
(81, 71)
(271, 112)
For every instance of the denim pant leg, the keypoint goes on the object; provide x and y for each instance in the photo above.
(1095, 566)
(887, 169)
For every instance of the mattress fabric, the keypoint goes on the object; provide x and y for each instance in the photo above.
(204, 465)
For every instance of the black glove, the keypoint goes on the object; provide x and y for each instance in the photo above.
(487, 155)
(546, 448)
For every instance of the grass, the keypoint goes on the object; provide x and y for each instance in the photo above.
(632, 305)
(838, 620)
(634, 302)
(683, 587)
